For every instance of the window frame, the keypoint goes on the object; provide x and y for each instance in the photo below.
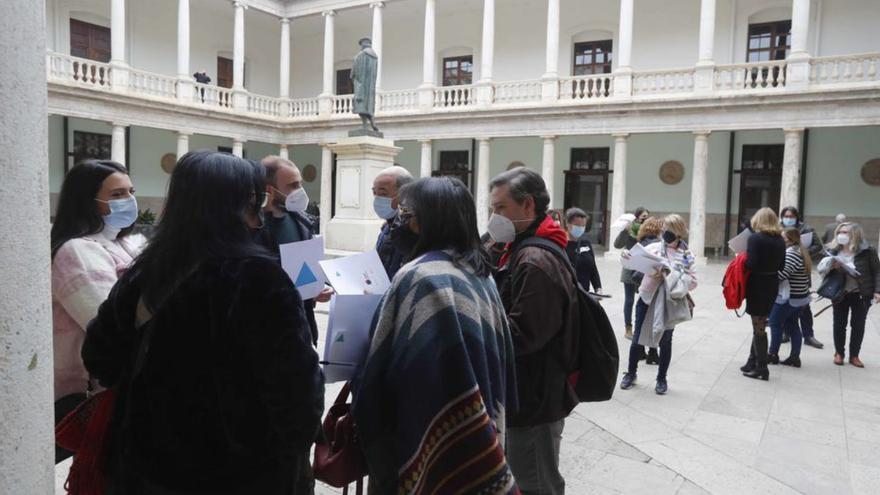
(775, 31)
(597, 47)
(462, 77)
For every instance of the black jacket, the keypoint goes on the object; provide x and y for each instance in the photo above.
(868, 266)
(395, 246)
(582, 256)
(230, 395)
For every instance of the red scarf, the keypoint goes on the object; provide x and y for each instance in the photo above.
(548, 229)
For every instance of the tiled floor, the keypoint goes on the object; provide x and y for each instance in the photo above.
(814, 430)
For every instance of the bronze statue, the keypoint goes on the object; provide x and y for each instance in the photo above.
(363, 76)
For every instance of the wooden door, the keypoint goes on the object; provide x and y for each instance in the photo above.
(89, 41)
(224, 72)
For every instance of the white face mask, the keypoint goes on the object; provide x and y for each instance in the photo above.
(501, 229)
(297, 201)
(843, 239)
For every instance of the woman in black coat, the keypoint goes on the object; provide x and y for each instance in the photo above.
(229, 396)
(765, 257)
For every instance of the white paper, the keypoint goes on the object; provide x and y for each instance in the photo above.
(620, 224)
(807, 239)
(849, 267)
(348, 335)
(740, 243)
(301, 262)
(357, 274)
(642, 261)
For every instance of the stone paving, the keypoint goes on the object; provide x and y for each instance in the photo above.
(813, 430)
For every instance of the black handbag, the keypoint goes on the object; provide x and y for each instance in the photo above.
(833, 286)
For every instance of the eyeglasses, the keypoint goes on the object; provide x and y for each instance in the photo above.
(405, 213)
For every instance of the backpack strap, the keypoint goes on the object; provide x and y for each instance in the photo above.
(548, 245)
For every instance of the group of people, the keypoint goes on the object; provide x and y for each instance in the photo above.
(211, 349)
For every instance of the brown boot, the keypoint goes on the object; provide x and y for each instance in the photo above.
(629, 332)
(855, 361)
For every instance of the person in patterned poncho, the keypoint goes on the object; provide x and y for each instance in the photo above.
(430, 401)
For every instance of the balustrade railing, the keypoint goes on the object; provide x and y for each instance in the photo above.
(214, 96)
(518, 91)
(663, 82)
(397, 101)
(454, 96)
(342, 104)
(148, 83)
(304, 107)
(73, 70)
(750, 76)
(586, 87)
(850, 68)
(264, 105)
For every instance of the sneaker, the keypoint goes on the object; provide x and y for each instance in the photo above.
(629, 379)
(813, 342)
(661, 387)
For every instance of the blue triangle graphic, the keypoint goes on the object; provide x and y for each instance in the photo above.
(305, 277)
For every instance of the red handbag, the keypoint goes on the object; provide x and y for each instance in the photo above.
(339, 460)
(85, 431)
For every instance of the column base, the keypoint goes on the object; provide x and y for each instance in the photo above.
(798, 71)
(325, 104)
(549, 88)
(704, 77)
(426, 96)
(185, 89)
(623, 83)
(239, 99)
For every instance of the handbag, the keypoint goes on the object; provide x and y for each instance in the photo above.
(339, 460)
(833, 286)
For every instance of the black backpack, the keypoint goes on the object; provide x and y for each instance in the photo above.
(595, 376)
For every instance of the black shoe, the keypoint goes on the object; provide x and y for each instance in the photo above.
(629, 379)
(642, 354)
(812, 342)
(749, 366)
(786, 339)
(794, 362)
(661, 387)
(772, 358)
(758, 374)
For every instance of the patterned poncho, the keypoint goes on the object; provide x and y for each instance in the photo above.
(431, 398)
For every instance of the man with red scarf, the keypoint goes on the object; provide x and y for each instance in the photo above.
(539, 297)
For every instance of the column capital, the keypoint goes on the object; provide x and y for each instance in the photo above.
(186, 133)
(283, 146)
(119, 124)
(482, 140)
(702, 133)
(238, 140)
(793, 130)
(620, 135)
(240, 5)
(328, 13)
(426, 141)
(377, 5)
(285, 20)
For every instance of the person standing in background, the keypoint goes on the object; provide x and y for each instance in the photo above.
(396, 241)
(791, 218)
(828, 236)
(580, 250)
(626, 239)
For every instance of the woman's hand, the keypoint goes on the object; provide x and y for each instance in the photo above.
(325, 295)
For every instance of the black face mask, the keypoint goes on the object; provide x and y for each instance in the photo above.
(669, 237)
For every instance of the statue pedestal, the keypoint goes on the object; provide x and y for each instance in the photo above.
(359, 160)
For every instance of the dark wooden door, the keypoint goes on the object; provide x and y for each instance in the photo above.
(760, 181)
(344, 84)
(586, 187)
(89, 41)
(224, 72)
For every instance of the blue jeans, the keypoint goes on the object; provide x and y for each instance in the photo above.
(665, 356)
(785, 317)
(629, 295)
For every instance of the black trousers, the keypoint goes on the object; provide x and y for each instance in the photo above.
(855, 308)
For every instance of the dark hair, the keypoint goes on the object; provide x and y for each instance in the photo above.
(791, 209)
(204, 219)
(524, 183)
(447, 218)
(572, 213)
(640, 210)
(77, 214)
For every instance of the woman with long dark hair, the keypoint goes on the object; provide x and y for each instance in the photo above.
(441, 358)
(229, 395)
(91, 248)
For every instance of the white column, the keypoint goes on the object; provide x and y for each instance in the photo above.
(26, 448)
(800, 28)
(548, 167)
(618, 184)
(428, 69)
(282, 152)
(329, 48)
(238, 147)
(284, 63)
(623, 73)
(550, 79)
(182, 144)
(791, 168)
(183, 39)
(487, 57)
(238, 48)
(117, 32)
(117, 143)
(704, 75)
(697, 236)
(483, 162)
(426, 167)
(378, 7)
(326, 204)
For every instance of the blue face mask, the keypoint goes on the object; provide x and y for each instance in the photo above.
(382, 207)
(577, 231)
(789, 222)
(123, 212)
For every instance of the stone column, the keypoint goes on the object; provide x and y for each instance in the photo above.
(239, 95)
(282, 152)
(426, 167)
(238, 147)
(119, 74)
(184, 78)
(483, 164)
(284, 62)
(378, 7)
(487, 58)
(550, 79)
(705, 71)
(618, 186)
(798, 70)
(117, 143)
(791, 168)
(26, 428)
(697, 237)
(182, 144)
(549, 164)
(623, 73)
(325, 103)
(326, 204)
(426, 90)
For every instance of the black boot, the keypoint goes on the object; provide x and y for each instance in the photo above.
(652, 358)
(760, 372)
(750, 363)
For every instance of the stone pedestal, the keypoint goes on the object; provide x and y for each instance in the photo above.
(359, 160)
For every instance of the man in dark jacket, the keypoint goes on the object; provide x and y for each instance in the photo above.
(396, 241)
(831, 228)
(537, 291)
(286, 220)
(791, 217)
